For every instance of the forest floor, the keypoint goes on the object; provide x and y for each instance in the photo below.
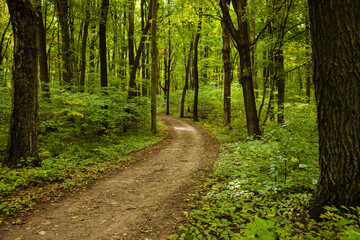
(147, 200)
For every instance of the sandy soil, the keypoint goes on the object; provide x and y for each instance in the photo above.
(145, 201)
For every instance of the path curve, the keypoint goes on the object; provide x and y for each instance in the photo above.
(145, 201)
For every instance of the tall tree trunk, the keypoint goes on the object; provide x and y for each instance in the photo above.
(143, 53)
(154, 64)
(186, 86)
(241, 38)
(168, 72)
(308, 70)
(335, 28)
(132, 84)
(131, 91)
(102, 41)
(63, 12)
(23, 141)
(196, 69)
(227, 74)
(83, 46)
(280, 84)
(41, 41)
(254, 56)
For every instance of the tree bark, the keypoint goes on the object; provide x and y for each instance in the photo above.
(195, 68)
(132, 84)
(23, 141)
(154, 64)
(131, 91)
(335, 28)
(83, 47)
(41, 41)
(227, 75)
(186, 85)
(102, 42)
(241, 38)
(144, 82)
(63, 12)
(168, 72)
(280, 84)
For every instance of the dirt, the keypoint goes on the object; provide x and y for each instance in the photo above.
(147, 200)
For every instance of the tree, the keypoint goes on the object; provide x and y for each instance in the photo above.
(227, 75)
(41, 37)
(195, 67)
(139, 52)
(241, 38)
(132, 84)
(23, 142)
(186, 85)
(154, 4)
(335, 31)
(63, 12)
(102, 42)
(83, 45)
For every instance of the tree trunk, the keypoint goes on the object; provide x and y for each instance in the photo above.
(154, 64)
(186, 86)
(63, 12)
(132, 84)
(41, 41)
(280, 84)
(102, 42)
(227, 75)
(83, 47)
(241, 38)
(24, 110)
(143, 54)
(168, 73)
(335, 28)
(195, 68)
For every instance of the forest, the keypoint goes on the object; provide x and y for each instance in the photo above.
(82, 85)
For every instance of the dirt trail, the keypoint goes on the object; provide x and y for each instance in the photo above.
(144, 201)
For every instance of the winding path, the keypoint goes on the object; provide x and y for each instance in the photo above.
(145, 201)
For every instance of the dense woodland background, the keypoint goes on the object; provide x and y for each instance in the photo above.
(243, 70)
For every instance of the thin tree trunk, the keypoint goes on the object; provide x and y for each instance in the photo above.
(154, 64)
(63, 12)
(83, 47)
(143, 53)
(102, 41)
(186, 86)
(131, 92)
(195, 68)
(132, 84)
(241, 37)
(41, 38)
(280, 84)
(227, 75)
(168, 72)
(23, 141)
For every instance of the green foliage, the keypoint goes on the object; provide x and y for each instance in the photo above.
(260, 189)
(81, 137)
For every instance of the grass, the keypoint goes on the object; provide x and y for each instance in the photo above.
(79, 141)
(261, 189)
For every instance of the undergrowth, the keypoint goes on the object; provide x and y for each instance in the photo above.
(81, 137)
(261, 189)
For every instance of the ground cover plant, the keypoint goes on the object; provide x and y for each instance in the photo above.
(80, 140)
(261, 188)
